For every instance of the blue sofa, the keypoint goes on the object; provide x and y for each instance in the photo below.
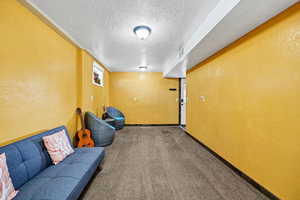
(103, 134)
(117, 115)
(36, 178)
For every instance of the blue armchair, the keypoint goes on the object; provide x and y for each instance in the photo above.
(102, 133)
(117, 116)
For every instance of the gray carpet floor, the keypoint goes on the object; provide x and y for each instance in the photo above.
(163, 163)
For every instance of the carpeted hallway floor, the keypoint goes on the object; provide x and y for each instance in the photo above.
(163, 163)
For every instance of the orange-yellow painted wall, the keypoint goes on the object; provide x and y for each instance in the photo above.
(43, 77)
(93, 97)
(251, 115)
(37, 74)
(154, 103)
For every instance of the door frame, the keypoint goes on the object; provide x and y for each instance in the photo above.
(179, 102)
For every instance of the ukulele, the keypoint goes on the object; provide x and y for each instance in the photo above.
(84, 134)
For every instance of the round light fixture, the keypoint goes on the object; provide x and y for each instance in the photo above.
(142, 31)
(143, 68)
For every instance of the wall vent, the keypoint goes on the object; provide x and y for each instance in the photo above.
(181, 52)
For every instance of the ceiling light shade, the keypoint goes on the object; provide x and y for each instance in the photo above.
(143, 68)
(142, 32)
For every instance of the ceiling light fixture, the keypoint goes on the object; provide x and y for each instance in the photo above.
(143, 68)
(142, 31)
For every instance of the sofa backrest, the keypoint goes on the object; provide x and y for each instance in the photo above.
(26, 158)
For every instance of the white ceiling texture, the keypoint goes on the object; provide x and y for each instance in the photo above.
(184, 32)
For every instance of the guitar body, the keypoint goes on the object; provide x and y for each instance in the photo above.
(84, 135)
(85, 139)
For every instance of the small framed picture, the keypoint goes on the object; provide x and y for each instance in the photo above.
(98, 75)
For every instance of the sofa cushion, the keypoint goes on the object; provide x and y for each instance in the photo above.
(58, 146)
(28, 157)
(65, 180)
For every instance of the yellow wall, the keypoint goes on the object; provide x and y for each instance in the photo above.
(154, 104)
(93, 97)
(251, 115)
(43, 77)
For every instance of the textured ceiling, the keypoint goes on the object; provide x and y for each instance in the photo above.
(105, 28)
(201, 27)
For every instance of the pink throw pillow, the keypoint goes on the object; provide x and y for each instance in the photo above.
(58, 146)
(7, 190)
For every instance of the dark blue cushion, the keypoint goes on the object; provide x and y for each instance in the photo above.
(28, 157)
(113, 112)
(65, 180)
(117, 115)
(16, 166)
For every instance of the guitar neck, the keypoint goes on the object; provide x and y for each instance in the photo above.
(79, 112)
(82, 122)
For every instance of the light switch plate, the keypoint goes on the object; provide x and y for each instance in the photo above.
(202, 98)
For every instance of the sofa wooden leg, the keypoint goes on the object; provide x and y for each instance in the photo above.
(99, 168)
